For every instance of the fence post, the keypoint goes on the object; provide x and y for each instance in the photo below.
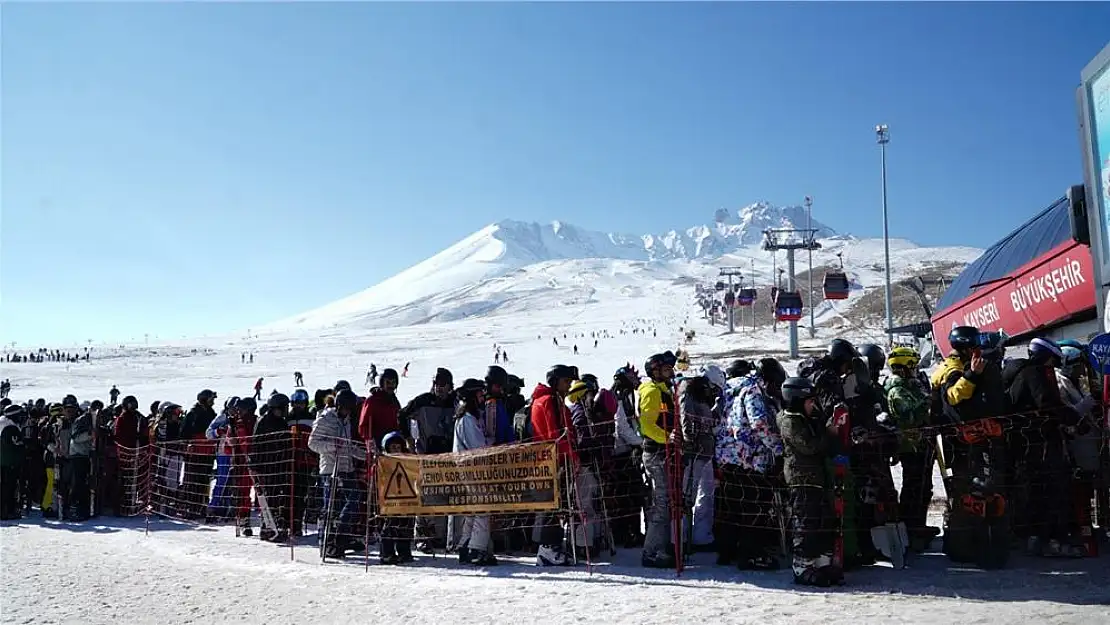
(292, 494)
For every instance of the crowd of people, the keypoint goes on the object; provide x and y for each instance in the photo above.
(760, 467)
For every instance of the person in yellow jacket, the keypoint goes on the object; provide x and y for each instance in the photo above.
(968, 380)
(657, 423)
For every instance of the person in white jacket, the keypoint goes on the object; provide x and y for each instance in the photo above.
(474, 539)
(1084, 449)
(331, 439)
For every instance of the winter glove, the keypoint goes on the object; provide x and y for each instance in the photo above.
(859, 434)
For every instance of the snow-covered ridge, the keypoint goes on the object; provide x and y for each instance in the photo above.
(456, 283)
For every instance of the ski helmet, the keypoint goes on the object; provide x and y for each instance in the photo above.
(627, 376)
(771, 372)
(738, 368)
(495, 375)
(1045, 348)
(1072, 356)
(841, 352)
(393, 437)
(443, 376)
(299, 396)
(515, 384)
(470, 389)
(963, 337)
(390, 374)
(903, 358)
(278, 400)
(70, 401)
(714, 374)
(346, 398)
(876, 359)
(559, 372)
(231, 403)
(590, 380)
(130, 403)
(341, 385)
(1072, 343)
(16, 413)
(795, 392)
(206, 395)
(654, 362)
(246, 405)
(577, 390)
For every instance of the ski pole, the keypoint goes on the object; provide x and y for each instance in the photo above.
(585, 524)
(570, 516)
(605, 513)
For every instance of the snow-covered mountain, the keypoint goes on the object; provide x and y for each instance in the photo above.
(510, 265)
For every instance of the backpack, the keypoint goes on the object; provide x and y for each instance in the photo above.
(522, 423)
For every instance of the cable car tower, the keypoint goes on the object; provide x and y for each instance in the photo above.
(788, 301)
(731, 295)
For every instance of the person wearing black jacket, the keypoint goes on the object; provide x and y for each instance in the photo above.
(11, 461)
(200, 453)
(271, 455)
(428, 423)
(1042, 419)
(968, 397)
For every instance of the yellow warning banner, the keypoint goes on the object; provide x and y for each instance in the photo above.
(510, 478)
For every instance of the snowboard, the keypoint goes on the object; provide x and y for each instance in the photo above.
(840, 480)
(263, 504)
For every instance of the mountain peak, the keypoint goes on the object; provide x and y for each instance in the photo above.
(492, 265)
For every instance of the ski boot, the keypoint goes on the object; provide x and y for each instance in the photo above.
(657, 561)
(484, 558)
(817, 572)
(551, 555)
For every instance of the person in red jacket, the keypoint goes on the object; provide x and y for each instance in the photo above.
(125, 433)
(551, 419)
(379, 411)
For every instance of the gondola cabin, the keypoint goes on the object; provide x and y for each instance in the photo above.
(836, 285)
(745, 297)
(730, 299)
(788, 306)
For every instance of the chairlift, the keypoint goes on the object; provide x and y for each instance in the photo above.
(720, 286)
(730, 299)
(788, 306)
(745, 297)
(836, 285)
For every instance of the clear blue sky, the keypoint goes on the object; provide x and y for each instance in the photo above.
(194, 168)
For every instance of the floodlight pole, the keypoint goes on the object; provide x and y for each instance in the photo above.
(809, 227)
(882, 135)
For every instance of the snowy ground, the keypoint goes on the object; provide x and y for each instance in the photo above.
(115, 573)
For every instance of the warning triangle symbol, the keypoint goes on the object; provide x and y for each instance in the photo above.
(399, 485)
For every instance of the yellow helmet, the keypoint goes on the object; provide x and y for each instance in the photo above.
(903, 357)
(577, 390)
